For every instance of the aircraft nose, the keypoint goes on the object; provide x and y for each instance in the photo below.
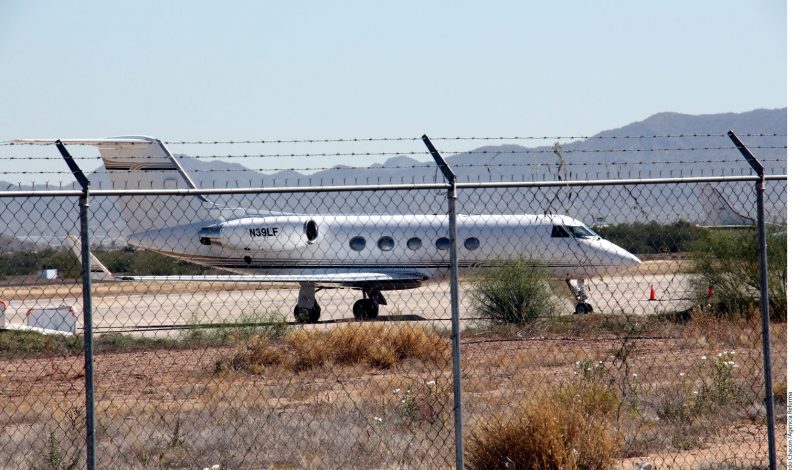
(618, 257)
(628, 259)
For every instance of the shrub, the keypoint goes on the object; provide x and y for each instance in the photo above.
(514, 292)
(728, 261)
(569, 429)
(22, 263)
(145, 262)
(374, 345)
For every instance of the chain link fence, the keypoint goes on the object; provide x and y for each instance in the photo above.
(603, 324)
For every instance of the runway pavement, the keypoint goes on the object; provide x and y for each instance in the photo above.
(611, 295)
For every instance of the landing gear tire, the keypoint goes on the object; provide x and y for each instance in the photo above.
(582, 308)
(307, 315)
(365, 309)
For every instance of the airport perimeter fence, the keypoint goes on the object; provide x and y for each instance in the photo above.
(663, 364)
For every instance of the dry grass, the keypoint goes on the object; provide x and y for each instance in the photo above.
(567, 429)
(376, 346)
(780, 392)
(167, 408)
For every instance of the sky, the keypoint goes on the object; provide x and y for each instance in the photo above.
(203, 70)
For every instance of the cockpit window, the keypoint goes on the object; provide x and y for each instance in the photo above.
(581, 231)
(559, 232)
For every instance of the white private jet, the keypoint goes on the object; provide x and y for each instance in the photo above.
(371, 253)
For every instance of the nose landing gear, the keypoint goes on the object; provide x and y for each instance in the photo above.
(307, 310)
(579, 290)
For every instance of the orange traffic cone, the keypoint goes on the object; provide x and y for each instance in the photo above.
(652, 296)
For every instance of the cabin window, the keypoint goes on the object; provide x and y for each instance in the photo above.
(358, 243)
(559, 232)
(443, 243)
(310, 230)
(471, 243)
(581, 231)
(414, 243)
(386, 243)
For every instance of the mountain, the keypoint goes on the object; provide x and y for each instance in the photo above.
(680, 149)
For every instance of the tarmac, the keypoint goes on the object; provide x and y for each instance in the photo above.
(162, 310)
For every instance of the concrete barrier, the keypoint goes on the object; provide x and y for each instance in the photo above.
(62, 319)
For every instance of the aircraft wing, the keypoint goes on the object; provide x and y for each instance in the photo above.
(332, 277)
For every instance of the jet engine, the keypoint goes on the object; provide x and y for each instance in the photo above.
(261, 233)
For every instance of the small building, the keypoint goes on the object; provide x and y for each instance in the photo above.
(48, 274)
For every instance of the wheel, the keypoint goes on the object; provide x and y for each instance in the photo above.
(307, 315)
(581, 308)
(365, 309)
(589, 307)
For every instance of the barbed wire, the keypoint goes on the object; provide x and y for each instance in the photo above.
(413, 153)
(443, 138)
(419, 165)
(456, 138)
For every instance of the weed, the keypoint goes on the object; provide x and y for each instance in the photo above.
(780, 392)
(557, 431)
(422, 400)
(689, 400)
(255, 356)
(174, 449)
(376, 346)
(54, 458)
(268, 324)
(23, 343)
(722, 388)
(515, 292)
(177, 439)
(628, 384)
(590, 390)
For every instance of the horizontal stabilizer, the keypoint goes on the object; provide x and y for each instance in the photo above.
(114, 140)
(98, 270)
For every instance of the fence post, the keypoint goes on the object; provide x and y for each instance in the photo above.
(763, 288)
(88, 330)
(452, 196)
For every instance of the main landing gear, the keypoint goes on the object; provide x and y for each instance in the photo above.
(367, 307)
(578, 289)
(308, 310)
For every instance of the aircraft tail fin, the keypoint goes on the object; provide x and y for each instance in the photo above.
(139, 162)
(98, 270)
(719, 211)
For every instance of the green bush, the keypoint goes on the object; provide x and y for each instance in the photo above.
(728, 261)
(146, 262)
(26, 263)
(514, 292)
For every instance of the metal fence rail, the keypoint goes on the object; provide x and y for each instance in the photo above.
(666, 369)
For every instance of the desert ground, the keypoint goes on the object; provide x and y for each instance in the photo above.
(179, 401)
